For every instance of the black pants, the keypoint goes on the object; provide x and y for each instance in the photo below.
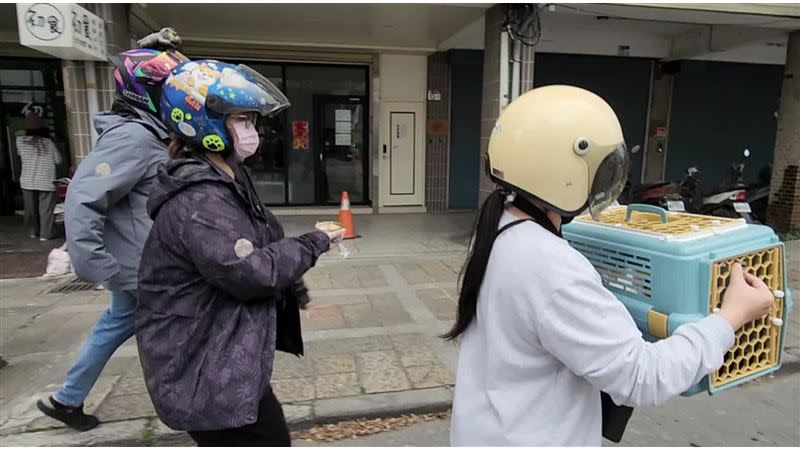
(269, 430)
(39, 218)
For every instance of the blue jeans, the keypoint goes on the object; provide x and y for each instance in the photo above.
(114, 327)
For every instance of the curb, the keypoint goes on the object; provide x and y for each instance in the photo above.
(152, 432)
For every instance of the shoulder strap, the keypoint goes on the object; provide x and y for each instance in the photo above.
(513, 224)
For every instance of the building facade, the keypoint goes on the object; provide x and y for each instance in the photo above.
(394, 103)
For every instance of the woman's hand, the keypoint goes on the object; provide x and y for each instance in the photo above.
(746, 299)
(335, 236)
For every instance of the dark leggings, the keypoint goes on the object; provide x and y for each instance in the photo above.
(269, 430)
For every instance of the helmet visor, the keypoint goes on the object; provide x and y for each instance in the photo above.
(261, 96)
(609, 181)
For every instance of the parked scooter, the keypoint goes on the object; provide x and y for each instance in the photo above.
(730, 200)
(758, 194)
(664, 194)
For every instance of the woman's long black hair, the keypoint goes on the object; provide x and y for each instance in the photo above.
(486, 232)
(475, 267)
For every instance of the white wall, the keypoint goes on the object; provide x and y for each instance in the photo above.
(758, 53)
(582, 36)
(567, 33)
(468, 38)
(403, 86)
(404, 78)
(585, 34)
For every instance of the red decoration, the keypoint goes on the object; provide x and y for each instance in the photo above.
(300, 134)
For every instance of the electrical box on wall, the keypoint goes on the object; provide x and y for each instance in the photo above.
(64, 30)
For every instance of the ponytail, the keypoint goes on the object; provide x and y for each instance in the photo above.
(475, 267)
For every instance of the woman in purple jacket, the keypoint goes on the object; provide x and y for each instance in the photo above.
(219, 284)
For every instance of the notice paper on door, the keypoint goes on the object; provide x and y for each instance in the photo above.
(343, 139)
(343, 115)
(343, 127)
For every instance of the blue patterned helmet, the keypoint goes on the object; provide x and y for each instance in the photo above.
(199, 95)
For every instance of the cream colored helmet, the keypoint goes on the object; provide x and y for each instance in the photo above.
(562, 148)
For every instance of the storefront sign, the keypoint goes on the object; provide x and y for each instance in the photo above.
(300, 134)
(31, 108)
(64, 30)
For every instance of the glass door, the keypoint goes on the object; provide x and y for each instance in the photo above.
(342, 152)
(28, 86)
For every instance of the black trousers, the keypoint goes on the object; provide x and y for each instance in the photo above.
(269, 430)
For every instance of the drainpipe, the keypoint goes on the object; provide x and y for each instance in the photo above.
(504, 98)
(91, 98)
(516, 69)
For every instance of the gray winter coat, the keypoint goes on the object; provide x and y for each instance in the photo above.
(105, 212)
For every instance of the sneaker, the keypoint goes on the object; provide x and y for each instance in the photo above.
(33, 236)
(43, 240)
(72, 417)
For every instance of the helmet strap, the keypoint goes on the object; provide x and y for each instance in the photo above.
(538, 214)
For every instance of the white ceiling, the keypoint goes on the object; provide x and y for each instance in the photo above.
(429, 27)
(600, 29)
(410, 26)
(678, 13)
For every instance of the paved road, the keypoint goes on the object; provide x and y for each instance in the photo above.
(371, 335)
(372, 345)
(759, 414)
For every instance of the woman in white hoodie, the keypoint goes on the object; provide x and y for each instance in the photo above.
(540, 336)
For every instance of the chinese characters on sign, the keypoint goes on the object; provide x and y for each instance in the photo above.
(64, 30)
(44, 21)
(88, 31)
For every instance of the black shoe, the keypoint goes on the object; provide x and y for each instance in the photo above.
(72, 417)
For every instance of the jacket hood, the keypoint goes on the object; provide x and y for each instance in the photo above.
(178, 174)
(122, 113)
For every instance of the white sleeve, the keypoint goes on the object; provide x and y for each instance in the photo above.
(56, 154)
(22, 147)
(591, 332)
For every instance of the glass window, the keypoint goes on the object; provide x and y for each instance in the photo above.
(317, 148)
(268, 165)
(24, 97)
(305, 86)
(21, 78)
(272, 72)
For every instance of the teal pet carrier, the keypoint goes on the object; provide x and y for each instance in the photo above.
(672, 268)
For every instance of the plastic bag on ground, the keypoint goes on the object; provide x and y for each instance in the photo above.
(58, 263)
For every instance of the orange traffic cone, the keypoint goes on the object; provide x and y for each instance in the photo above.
(346, 217)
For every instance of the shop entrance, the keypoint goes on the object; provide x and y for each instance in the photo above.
(28, 86)
(341, 150)
(318, 147)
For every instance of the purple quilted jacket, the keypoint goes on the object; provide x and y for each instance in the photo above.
(218, 286)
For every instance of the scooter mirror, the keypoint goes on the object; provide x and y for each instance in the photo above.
(747, 153)
(635, 149)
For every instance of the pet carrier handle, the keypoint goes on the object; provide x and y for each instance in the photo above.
(646, 209)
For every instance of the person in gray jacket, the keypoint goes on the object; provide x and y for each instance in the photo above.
(106, 218)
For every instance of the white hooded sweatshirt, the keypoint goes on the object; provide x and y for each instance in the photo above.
(548, 337)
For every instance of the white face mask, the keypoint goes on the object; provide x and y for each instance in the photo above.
(245, 137)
